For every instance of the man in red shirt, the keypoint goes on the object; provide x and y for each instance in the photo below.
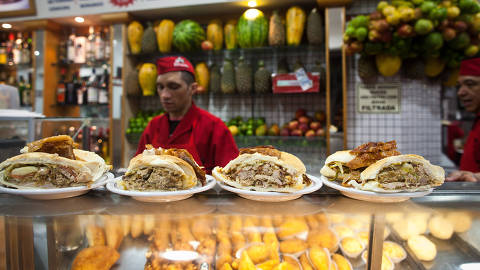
(469, 95)
(185, 125)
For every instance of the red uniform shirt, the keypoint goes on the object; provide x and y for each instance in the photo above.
(471, 151)
(204, 135)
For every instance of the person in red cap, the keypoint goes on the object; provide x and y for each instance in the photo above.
(184, 125)
(469, 95)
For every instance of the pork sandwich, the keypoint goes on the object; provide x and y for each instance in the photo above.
(151, 172)
(52, 163)
(264, 169)
(400, 173)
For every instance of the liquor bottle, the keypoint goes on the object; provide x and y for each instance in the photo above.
(62, 49)
(17, 49)
(103, 88)
(100, 142)
(80, 50)
(21, 90)
(90, 46)
(3, 49)
(27, 94)
(10, 45)
(106, 146)
(61, 90)
(106, 39)
(92, 89)
(82, 97)
(71, 47)
(27, 52)
(71, 94)
(99, 46)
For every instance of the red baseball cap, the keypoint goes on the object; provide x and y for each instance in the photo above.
(174, 63)
(470, 67)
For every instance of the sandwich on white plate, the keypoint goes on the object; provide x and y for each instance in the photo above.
(264, 168)
(52, 162)
(163, 170)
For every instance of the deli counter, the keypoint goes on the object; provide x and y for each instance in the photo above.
(219, 230)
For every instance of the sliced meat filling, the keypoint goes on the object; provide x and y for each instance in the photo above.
(405, 175)
(262, 175)
(151, 179)
(59, 176)
(345, 172)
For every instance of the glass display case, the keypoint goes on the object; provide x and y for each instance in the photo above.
(218, 230)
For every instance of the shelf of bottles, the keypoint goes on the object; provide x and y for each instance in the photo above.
(16, 64)
(84, 69)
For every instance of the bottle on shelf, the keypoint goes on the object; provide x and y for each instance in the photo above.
(10, 46)
(27, 94)
(80, 49)
(17, 49)
(71, 47)
(61, 89)
(3, 49)
(82, 97)
(26, 55)
(103, 88)
(21, 90)
(71, 91)
(106, 40)
(92, 88)
(106, 146)
(99, 46)
(63, 48)
(90, 46)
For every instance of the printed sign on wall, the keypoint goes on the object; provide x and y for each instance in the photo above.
(378, 98)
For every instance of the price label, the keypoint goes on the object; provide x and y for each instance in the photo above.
(378, 98)
(303, 80)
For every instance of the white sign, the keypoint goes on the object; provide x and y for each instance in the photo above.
(378, 98)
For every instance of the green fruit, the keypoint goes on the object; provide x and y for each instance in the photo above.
(433, 41)
(215, 79)
(261, 130)
(359, 21)
(439, 13)
(227, 83)
(252, 29)
(243, 77)
(423, 26)
(417, 2)
(187, 36)
(461, 41)
(262, 79)
(350, 31)
(361, 33)
(129, 130)
(314, 28)
(466, 5)
(149, 40)
(249, 132)
(471, 50)
(427, 6)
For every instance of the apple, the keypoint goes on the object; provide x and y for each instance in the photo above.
(207, 45)
(293, 125)
(296, 132)
(299, 113)
(320, 116)
(461, 26)
(315, 125)
(449, 34)
(320, 132)
(285, 132)
(274, 130)
(304, 120)
(303, 127)
(310, 133)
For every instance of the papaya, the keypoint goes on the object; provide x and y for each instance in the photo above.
(296, 18)
(202, 77)
(434, 66)
(165, 35)
(230, 34)
(215, 34)
(388, 65)
(147, 77)
(134, 35)
(276, 30)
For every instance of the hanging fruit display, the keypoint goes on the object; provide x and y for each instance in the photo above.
(252, 29)
(165, 35)
(215, 34)
(276, 31)
(314, 28)
(230, 35)
(134, 35)
(187, 36)
(147, 77)
(202, 77)
(439, 33)
(149, 43)
(295, 24)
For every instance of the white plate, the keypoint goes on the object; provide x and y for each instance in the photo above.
(268, 196)
(159, 196)
(372, 196)
(57, 193)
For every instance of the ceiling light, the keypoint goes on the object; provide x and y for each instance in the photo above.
(252, 3)
(37, 53)
(6, 25)
(252, 14)
(79, 19)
